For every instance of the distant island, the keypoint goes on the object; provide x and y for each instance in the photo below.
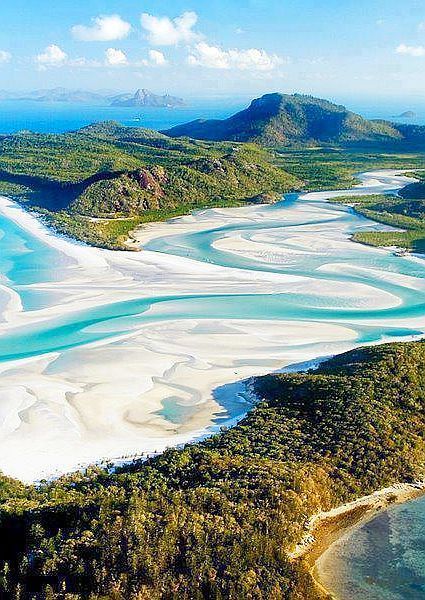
(281, 120)
(146, 98)
(408, 114)
(142, 97)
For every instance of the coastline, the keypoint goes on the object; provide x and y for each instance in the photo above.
(195, 374)
(326, 528)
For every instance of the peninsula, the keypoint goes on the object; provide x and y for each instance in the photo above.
(232, 507)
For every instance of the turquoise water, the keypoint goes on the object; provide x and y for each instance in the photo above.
(307, 274)
(26, 261)
(383, 559)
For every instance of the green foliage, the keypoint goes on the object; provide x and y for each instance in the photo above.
(335, 168)
(216, 519)
(282, 119)
(394, 211)
(66, 158)
(105, 233)
(131, 175)
(415, 190)
(115, 172)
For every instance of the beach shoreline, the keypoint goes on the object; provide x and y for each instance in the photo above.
(326, 528)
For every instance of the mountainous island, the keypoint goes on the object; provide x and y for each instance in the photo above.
(142, 98)
(281, 119)
(146, 98)
(408, 114)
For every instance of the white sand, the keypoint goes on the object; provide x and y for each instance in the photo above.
(105, 400)
(398, 493)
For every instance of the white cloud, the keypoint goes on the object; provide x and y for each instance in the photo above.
(85, 63)
(104, 28)
(53, 56)
(213, 57)
(157, 58)
(421, 26)
(115, 58)
(163, 31)
(411, 50)
(208, 56)
(5, 56)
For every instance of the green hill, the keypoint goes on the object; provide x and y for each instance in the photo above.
(83, 181)
(415, 190)
(280, 119)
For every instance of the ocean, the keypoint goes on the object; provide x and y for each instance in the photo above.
(61, 117)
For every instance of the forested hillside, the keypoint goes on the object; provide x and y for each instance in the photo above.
(284, 120)
(217, 519)
(101, 181)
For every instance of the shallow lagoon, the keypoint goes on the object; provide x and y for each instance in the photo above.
(383, 559)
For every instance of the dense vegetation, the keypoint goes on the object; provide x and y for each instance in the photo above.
(216, 519)
(335, 168)
(415, 190)
(407, 214)
(100, 183)
(107, 171)
(282, 119)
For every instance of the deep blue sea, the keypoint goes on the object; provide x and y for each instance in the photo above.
(60, 117)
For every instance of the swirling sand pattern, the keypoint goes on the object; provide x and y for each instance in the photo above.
(110, 354)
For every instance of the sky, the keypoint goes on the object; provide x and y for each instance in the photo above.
(212, 48)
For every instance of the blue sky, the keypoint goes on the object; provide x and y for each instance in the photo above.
(337, 48)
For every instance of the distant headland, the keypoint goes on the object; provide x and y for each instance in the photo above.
(407, 114)
(142, 97)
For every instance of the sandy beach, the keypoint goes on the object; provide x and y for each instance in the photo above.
(326, 528)
(138, 383)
